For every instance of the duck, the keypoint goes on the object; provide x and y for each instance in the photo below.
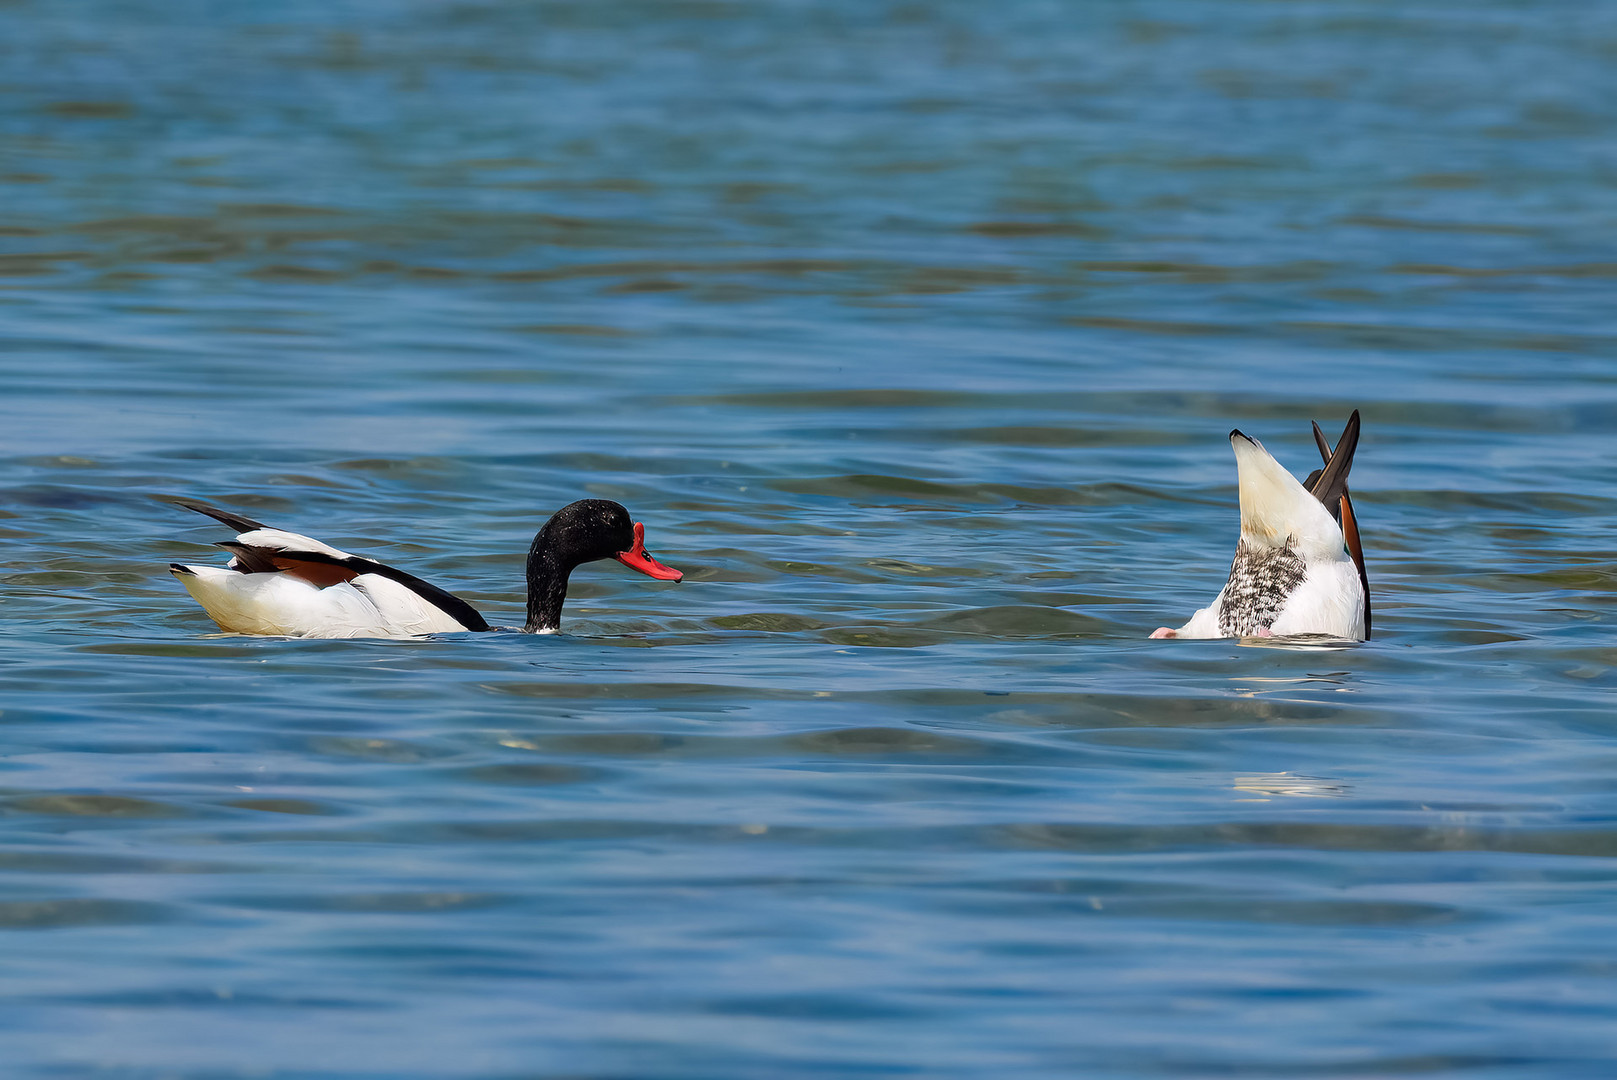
(1299, 562)
(290, 585)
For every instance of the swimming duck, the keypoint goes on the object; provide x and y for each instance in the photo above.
(287, 584)
(1299, 564)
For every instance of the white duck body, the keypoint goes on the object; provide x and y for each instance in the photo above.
(292, 602)
(1292, 573)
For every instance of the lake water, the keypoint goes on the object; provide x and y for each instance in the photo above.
(913, 333)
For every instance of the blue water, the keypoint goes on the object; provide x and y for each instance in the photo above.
(913, 333)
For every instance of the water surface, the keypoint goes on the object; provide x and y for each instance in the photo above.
(913, 333)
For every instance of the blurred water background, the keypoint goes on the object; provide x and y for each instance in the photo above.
(912, 331)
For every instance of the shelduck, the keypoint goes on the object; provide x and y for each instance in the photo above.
(1299, 564)
(284, 583)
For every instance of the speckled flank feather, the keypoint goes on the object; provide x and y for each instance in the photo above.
(1261, 581)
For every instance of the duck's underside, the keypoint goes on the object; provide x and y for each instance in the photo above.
(1299, 566)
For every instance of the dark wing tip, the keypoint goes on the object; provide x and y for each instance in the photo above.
(250, 560)
(1237, 433)
(181, 568)
(444, 601)
(1342, 507)
(1324, 449)
(235, 521)
(1332, 482)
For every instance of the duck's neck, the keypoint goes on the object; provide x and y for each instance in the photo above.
(547, 589)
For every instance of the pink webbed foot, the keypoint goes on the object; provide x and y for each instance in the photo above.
(1164, 632)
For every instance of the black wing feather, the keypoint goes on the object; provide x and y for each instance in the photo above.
(454, 606)
(1343, 511)
(1332, 482)
(250, 560)
(235, 521)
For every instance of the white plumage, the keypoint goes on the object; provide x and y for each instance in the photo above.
(1294, 572)
(284, 603)
(368, 606)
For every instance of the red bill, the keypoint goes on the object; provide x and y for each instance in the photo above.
(637, 558)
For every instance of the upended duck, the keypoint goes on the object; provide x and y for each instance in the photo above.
(1299, 564)
(286, 584)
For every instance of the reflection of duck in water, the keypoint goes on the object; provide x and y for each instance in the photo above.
(1299, 567)
(282, 583)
